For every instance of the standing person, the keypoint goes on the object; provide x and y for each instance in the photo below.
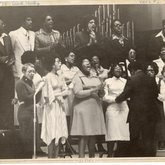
(116, 114)
(161, 97)
(156, 42)
(97, 69)
(25, 91)
(22, 40)
(87, 36)
(102, 73)
(6, 80)
(29, 57)
(143, 115)
(130, 58)
(118, 45)
(68, 71)
(161, 61)
(88, 118)
(46, 41)
(54, 125)
(152, 70)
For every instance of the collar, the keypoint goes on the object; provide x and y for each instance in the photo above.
(27, 81)
(81, 74)
(114, 36)
(3, 35)
(24, 31)
(42, 31)
(65, 67)
(120, 78)
(160, 34)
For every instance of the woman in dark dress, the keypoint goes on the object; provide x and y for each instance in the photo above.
(25, 91)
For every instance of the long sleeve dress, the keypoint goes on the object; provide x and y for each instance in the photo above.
(88, 116)
(116, 115)
(54, 124)
(25, 91)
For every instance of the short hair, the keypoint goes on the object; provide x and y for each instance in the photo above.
(113, 68)
(45, 15)
(153, 65)
(24, 17)
(86, 20)
(25, 66)
(28, 57)
(113, 22)
(80, 61)
(134, 66)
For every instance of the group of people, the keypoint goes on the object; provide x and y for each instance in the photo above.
(97, 92)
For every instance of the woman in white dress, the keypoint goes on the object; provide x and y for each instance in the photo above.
(54, 126)
(117, 128)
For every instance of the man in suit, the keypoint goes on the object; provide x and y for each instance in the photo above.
(143, 114)
(22, 40)
(118, 45)
(157, 41)
(6, 80)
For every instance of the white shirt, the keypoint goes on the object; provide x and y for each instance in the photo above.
(69, 73)
(160, 64)
(160, 34)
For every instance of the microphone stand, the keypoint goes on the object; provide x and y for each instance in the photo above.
(34, 127)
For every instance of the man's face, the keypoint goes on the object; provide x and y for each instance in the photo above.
(2, 25)
(28, 23)
(117, 27)
(49, 22)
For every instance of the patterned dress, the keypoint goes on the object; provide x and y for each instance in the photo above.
(54, 124)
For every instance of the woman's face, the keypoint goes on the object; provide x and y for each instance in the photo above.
(150, 71)
(91, 25)
(86, 65)
(57, 64)
(117, 71)
(29, 73)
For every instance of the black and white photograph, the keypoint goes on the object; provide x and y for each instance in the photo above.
(82, 82)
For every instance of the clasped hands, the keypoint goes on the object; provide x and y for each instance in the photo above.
(92, 39)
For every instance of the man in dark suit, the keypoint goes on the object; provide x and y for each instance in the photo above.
(142, 117)
(6, 80)
(157, 41)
